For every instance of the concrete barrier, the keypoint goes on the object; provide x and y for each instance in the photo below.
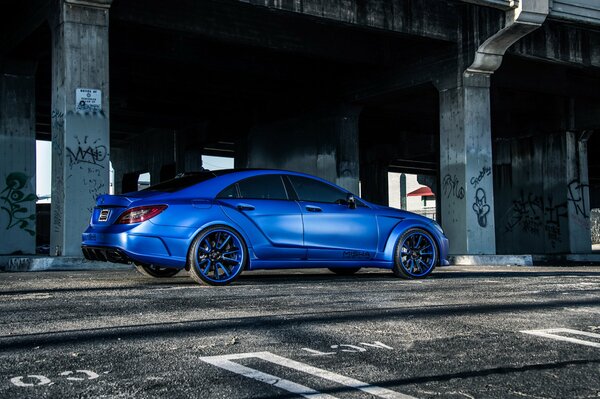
(54, 263)
(595, 225)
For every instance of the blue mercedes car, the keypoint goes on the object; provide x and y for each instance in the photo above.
(215, 224)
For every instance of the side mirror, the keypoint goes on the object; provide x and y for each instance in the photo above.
(351, 201)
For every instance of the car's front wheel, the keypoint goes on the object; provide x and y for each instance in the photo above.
(416, 254)
(217, 256)
(155, 271)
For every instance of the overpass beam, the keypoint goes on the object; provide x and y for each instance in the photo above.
(80, 118)
(17, 158)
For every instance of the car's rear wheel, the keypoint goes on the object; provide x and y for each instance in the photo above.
(344, 271)
(217, 256)
(155, 271)
(416, 254)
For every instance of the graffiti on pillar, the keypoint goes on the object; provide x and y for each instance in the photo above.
(14, 198)
(527, 213)
(577, 194)
(553, 214)
(93, 153)
(58, 118)
(481, 207)
(485, 171)
(94, 182)
(452, 188)
(533, 214)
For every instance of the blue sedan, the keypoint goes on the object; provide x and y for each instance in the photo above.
(215, 224)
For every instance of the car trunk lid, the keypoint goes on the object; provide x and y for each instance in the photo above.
(109, 207)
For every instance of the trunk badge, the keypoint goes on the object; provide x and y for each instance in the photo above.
(104, 215)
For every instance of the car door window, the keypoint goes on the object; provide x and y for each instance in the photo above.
(316, 191)
(263, 187)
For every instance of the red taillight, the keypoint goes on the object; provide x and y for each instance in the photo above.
(140, 214)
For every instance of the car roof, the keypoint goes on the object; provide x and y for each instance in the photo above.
(226, 177)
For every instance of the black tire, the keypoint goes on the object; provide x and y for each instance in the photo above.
(416, 254)
(155, 271)
(205, 256)
(344, 271)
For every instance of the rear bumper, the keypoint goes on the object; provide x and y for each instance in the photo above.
(105, 254)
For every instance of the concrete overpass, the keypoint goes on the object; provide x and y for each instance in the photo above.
(496, 104)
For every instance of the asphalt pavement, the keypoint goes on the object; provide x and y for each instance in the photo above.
(464, 332)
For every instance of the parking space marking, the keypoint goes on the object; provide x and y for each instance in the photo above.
(353, 348)
(553, 333)
(226, 362)
(41, 380)
(90, 375)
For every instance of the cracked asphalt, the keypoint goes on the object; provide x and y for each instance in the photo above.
(465, 332)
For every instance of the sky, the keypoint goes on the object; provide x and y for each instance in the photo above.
(43, 169)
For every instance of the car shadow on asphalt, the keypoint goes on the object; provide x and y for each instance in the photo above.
(295, 276)
(174, 329)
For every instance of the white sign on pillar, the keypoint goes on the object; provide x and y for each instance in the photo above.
(88, 100)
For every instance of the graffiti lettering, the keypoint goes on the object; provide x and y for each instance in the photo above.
(576, 195)
(452, 188)
(14, 199)
(526, 213)
(58, 118)
(90, 154)
(535, 216)
(95, 187)
(481, 207)
(485, 171)
(553, 213)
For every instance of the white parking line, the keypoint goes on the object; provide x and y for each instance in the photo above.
(552, 333)
(225, 362)
(42, 380)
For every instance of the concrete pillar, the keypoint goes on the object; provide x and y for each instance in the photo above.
(467, 190)
(241, 153)
(374, 180)
(543, 203)
(578, 192)
(166, 153)
(403, 191)
(80, 118)
(192, 160)
(17, 158)
(188, 147)
(323, 143)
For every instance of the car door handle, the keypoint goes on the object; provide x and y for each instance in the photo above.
(313, 208)
(245, 207)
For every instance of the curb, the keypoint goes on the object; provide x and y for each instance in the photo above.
(490, 260)
(55, 263)
(569, 259)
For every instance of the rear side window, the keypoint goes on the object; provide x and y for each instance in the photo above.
(263, 187)
(229, 192)
(316, 191)
(185, 180)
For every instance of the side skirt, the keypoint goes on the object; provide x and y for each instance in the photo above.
(256, 264)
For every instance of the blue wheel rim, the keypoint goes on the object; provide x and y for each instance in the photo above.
(417, 254)
(220, 256)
